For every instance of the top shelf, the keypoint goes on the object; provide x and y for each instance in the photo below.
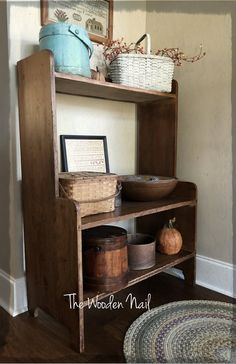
(82, 86)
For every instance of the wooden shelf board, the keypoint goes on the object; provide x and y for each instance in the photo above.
(129, 210)
(82, 86)
(162, 262)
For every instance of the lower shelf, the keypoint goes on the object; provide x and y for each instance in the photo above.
(162, 262)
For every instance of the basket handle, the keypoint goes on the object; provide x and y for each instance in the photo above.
(85, 40)
(148, 46)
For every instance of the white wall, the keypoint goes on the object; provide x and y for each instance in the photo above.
(5, 251)
(205, 117)
(76, 115)
(4, 142)
(97, 117)
(206, 131)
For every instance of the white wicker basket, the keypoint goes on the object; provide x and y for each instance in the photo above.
(143, 70)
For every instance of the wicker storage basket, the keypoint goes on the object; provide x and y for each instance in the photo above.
(143, 70)
(94, 191)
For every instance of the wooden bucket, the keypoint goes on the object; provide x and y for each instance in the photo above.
(105, 258)
(70, 45)
(141, 251)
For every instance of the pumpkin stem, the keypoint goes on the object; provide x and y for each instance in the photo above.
(171, 223)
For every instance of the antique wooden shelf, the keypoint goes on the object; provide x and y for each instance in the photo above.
(53, 225)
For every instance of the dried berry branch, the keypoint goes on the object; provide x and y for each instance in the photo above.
(115, 47)
(178, 57)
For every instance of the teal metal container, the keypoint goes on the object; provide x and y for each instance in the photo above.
(70, 45)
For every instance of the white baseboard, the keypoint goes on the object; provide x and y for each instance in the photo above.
(13, 296)
(216, 275)
(212, 274)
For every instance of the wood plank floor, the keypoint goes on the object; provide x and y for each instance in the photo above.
(27, 339)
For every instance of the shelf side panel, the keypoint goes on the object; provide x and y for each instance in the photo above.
(157, 129)
(36, 108)
(51, 225)
(38, 127)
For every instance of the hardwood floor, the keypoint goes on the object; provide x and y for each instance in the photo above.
(28, 339)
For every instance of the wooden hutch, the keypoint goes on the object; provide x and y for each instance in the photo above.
(52, 225)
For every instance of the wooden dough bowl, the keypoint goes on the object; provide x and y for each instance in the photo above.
(147, 188)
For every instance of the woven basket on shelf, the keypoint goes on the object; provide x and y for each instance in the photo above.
(143, 70)
(94, 191)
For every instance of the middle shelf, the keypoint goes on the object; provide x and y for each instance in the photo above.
(130, 210)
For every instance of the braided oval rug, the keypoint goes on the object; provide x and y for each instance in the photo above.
(183, 332)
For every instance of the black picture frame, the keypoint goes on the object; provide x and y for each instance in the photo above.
(92, 164)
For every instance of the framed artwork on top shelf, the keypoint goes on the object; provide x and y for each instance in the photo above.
(84, 153)
(95, 16)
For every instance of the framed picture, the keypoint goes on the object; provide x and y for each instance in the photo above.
(84, 153)
(95, 16)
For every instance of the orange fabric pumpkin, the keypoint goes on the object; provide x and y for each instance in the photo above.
(170, 239)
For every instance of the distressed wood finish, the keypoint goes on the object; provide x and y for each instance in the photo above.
(182, 196)
(99, 39)
(162, 262)
(185, 217)
(44, 12)
(53, 225)
(189, 270)
(82, 86)
(105, 258)
(157, 149)
(157, 136)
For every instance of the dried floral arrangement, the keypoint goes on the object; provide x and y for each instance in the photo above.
(115, 47)
(178, 56)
